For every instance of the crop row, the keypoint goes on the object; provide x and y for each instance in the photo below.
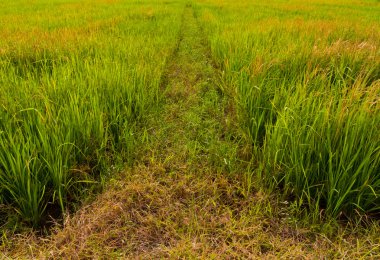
(306, 79)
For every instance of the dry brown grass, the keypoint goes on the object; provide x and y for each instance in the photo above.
(170, 205)
(149, 212)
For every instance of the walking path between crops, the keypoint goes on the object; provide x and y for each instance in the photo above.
(183, 198)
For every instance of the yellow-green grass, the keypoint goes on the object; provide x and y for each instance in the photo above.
(306, 78)
(76, 77)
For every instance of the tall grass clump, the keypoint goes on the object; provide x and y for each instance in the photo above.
(306, 78)
(75, 85)
(327, 149)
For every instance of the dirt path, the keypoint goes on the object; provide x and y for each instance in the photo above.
(183, 198)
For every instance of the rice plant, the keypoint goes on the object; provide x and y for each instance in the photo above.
(76, 78)
(306, 77)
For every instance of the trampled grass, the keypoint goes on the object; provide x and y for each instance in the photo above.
(75, 78)
(306, 77)
(248, 129)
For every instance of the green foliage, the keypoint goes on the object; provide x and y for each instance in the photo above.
(306, 78)
(72, 94)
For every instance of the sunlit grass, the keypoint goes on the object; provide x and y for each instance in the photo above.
(307, 81)
(75, 78)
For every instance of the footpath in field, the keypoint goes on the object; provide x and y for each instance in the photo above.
(183, 197)
(178, 199)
